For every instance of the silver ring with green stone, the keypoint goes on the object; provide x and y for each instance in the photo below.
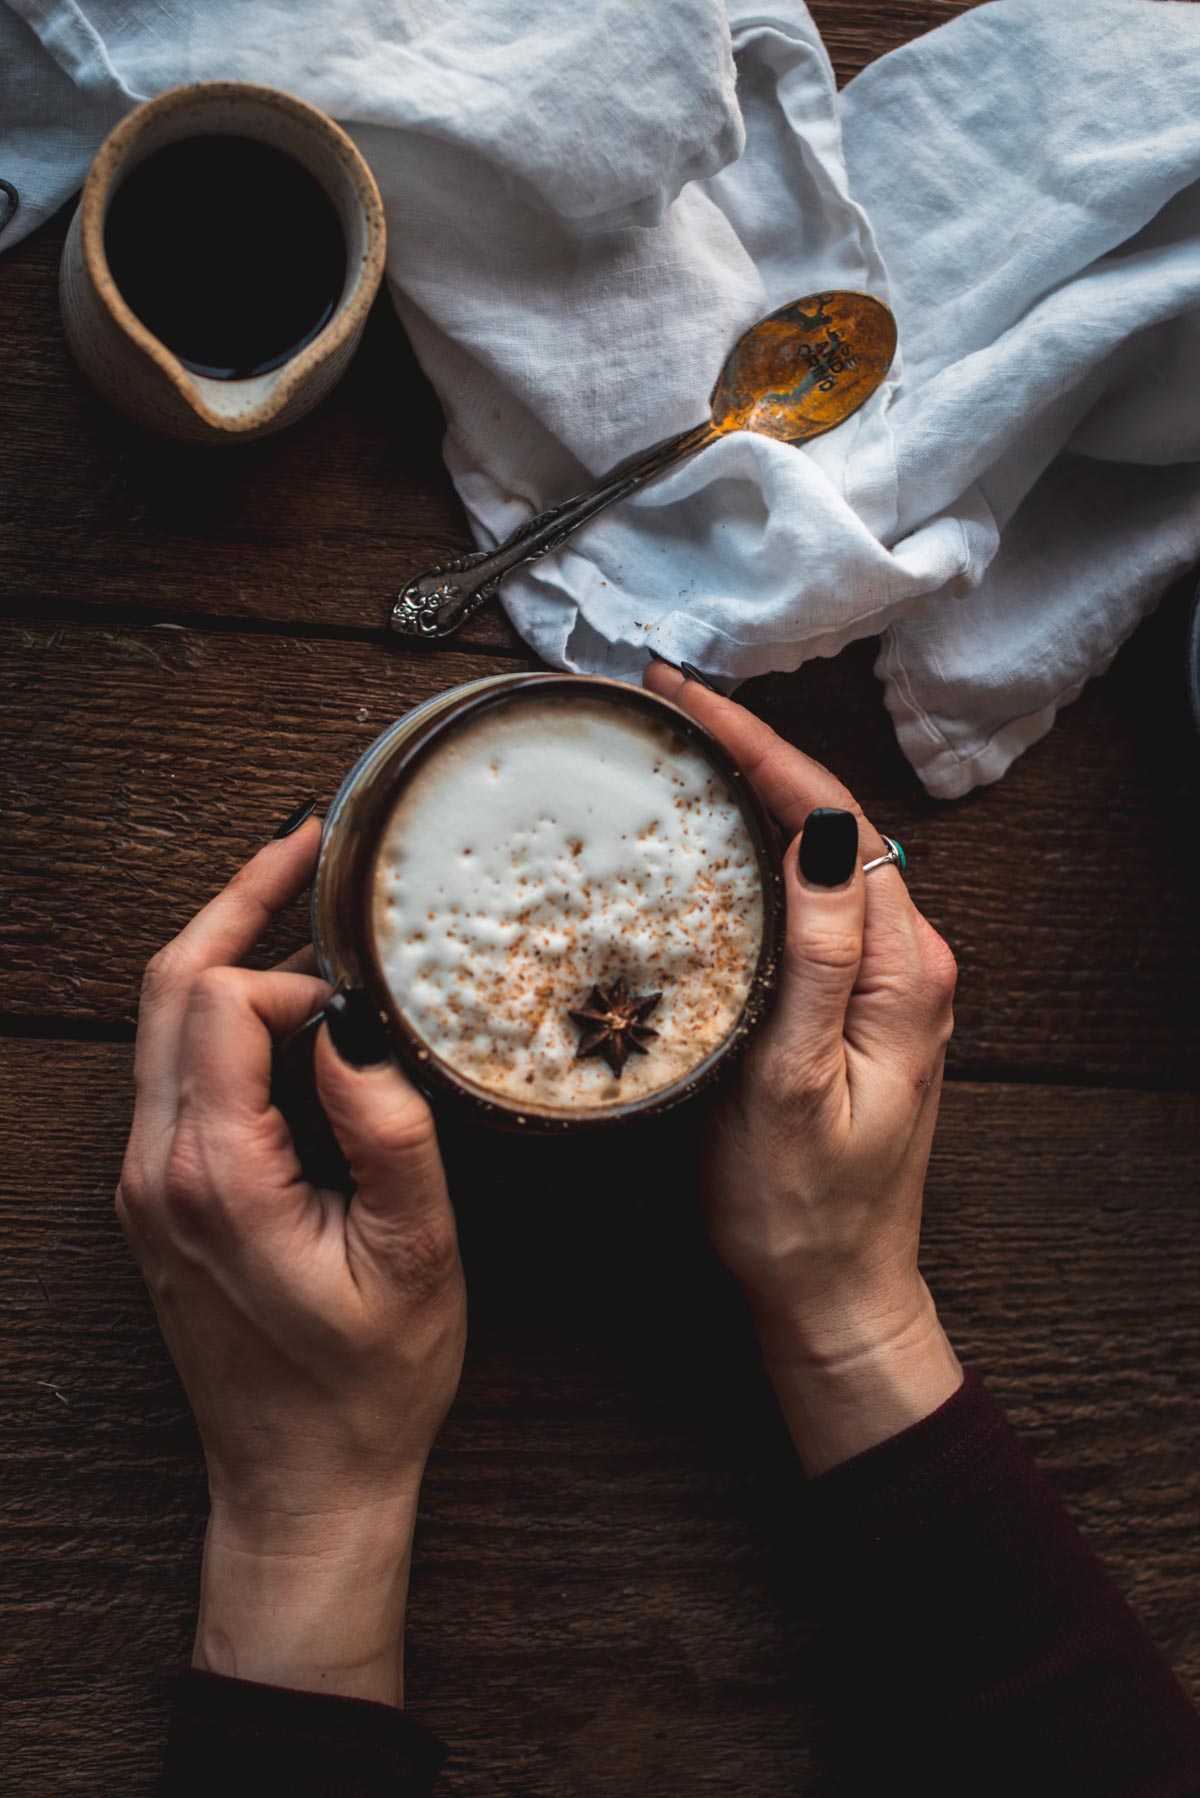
(895, 857)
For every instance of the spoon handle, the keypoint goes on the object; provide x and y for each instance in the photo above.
(439, 601)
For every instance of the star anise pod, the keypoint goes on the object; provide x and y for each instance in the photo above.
(615, 1023)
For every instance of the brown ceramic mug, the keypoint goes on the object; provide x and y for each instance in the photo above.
(131, 366)
(516, 868)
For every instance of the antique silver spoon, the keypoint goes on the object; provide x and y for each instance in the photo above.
(792, 376)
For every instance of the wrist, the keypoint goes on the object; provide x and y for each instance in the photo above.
(312, 1602)
(838, 1317)
(847, 1387)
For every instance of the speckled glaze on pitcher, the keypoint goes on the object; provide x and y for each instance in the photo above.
(125, 361)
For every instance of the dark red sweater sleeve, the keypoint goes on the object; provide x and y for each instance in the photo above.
(976, 1648)
(231, 1738)
(977, 1645)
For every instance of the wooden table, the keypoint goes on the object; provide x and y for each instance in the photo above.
(609, 1595)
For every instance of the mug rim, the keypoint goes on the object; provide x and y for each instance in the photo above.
(345, 321)
(374, 807)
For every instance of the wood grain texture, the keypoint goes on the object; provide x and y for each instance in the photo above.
(608, 1576)
(143, 766)
(855, 35)
(319, 526)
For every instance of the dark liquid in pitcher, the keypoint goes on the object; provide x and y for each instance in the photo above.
(229, 251)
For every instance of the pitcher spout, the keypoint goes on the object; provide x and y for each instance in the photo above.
(248, 407)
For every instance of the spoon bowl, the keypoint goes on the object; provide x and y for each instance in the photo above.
(805, 368)
(792, 376)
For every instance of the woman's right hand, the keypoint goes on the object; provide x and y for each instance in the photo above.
(319, 1340)
(816, 1158)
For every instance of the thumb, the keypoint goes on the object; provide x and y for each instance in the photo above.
(383, 1126)
(825, 894)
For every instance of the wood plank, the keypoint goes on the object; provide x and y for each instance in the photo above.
(143, 765)
(138, 762)
(318, 526)
(609, 1596)
(855, 35)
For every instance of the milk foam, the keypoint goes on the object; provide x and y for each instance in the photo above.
(549, 845)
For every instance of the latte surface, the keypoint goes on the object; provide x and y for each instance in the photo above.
(548, 846)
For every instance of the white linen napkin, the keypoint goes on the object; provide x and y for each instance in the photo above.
(588, 204)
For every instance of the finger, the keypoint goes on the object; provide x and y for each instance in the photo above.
(301, 961)
(892, 1001)
(222, 1072)
(386, 1131)
(791, 785)
(234, 1016)
(789, 782)
(229, 926)
(822, 953)
(222, 933)
(902, 1013)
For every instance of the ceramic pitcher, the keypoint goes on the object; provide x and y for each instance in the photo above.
(130, 366)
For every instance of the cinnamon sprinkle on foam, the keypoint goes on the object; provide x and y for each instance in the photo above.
(549, 845)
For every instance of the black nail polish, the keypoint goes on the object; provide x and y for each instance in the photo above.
(665, 660)
(295, 819)
(829, 847)
(357, 1029)
(694, 673)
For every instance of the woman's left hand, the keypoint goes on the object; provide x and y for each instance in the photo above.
(815, 1163)
(320, 1342)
